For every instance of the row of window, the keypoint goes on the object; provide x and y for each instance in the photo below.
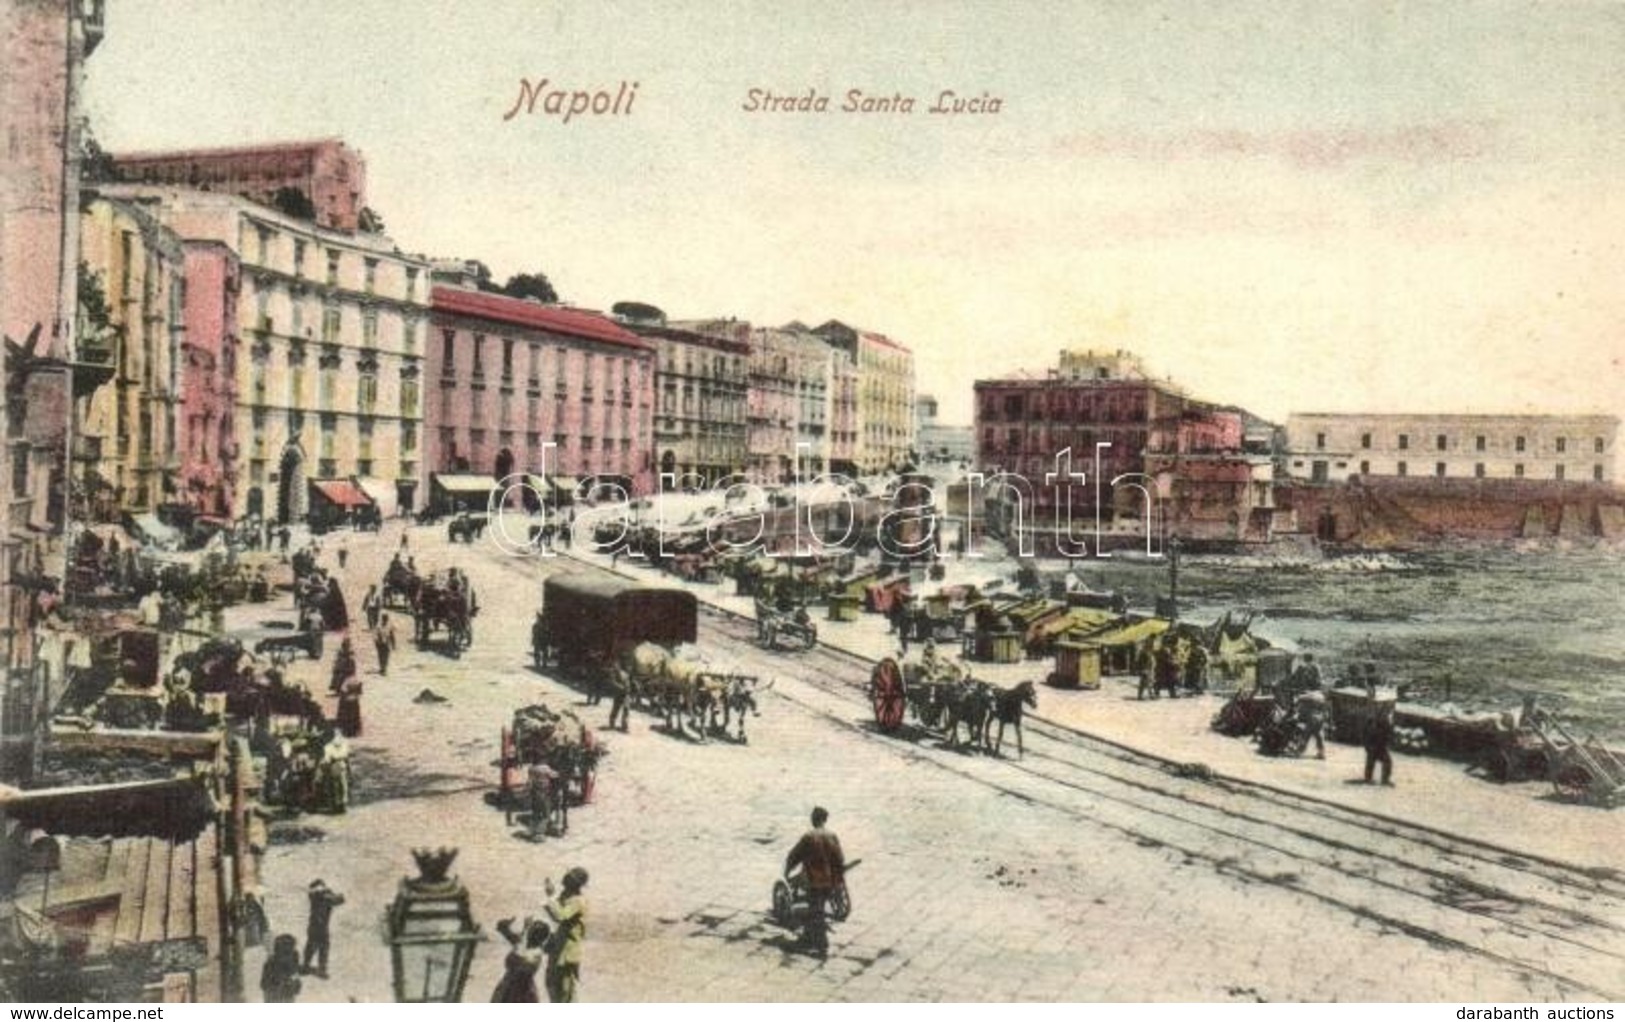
(328, 468)
(1086, 406)
(535, 409)
(714, 366)
(327, 377)
(1441, 470)
(628, 367)
(267, 250)
(332, 323)
(1441, 442)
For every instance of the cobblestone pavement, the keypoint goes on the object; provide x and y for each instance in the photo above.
(1075, 874)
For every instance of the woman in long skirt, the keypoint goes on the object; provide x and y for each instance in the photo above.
(349, 717)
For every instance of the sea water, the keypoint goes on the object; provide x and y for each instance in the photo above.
(1478, 628)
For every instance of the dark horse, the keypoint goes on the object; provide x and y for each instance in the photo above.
(1008, 704)
(970, 703)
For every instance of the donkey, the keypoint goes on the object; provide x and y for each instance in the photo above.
(1008, 706)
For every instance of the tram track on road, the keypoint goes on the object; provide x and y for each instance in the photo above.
(1538, 916)
(1560, 926)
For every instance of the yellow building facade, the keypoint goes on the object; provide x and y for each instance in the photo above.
(332, 328)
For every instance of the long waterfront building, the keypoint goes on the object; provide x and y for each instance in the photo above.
(1325, 447)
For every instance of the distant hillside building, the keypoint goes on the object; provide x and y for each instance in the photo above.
(1324, 448)
(330, 174)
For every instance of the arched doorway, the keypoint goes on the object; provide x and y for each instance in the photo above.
(291, 499)
(504, 466)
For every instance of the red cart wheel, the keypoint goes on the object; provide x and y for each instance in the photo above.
(886, 691)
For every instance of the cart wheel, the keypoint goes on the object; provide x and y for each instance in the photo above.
(782, 902)
(886, 691)
(1573, 782)
(840, 904)
(1498, 765)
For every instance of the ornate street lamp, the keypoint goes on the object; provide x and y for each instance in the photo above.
(432, 935)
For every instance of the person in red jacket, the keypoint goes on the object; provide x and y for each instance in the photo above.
(818, 853)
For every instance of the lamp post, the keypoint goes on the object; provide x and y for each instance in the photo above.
(432, 934)
(1173, 577)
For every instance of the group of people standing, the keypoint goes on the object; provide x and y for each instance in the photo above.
(1172, 662)
(551, 945)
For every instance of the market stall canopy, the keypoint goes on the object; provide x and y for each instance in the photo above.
(1128, 635)
(176, 809)
(341, 492)
(150, 529)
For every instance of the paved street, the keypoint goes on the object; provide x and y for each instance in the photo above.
(1079, 873)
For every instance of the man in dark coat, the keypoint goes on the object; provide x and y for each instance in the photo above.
(818, 853)
(1379, 734)
(323, 900)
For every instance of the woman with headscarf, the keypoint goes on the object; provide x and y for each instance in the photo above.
(334, 613)
(349, 715)
(525, 957)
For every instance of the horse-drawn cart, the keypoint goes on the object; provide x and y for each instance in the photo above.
(926, 689)
(941, 696)
(466, 528)
(445, 602)
(549, 763)
(784, 628)
(400, 588)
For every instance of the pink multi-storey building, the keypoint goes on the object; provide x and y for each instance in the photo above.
(509, 377)
(209, 378)
(43, 46)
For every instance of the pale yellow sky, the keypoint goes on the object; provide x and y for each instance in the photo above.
(1287, 206)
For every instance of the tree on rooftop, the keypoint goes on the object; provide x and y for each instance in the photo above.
(531, 285)
(95, 164)
(638, 311)
(482, 276)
